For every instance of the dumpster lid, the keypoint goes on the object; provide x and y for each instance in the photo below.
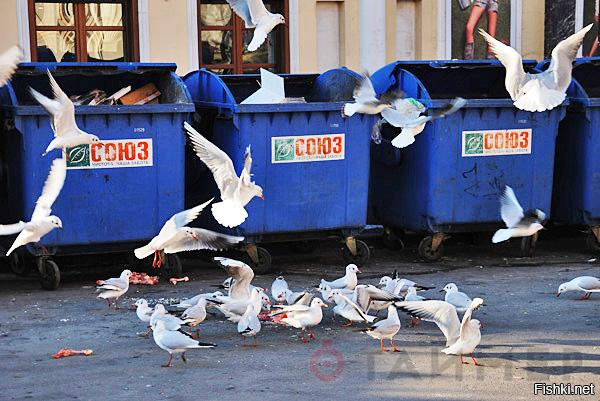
(320, 91)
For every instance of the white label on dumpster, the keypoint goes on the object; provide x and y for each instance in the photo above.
(308, 148)
(496, 142)
(111, 154)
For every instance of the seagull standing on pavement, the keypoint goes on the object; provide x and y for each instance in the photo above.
(588, 284)
(176, 237)
(300, 316)
(236, 192)
(469, 337)
(41, 222)
(114, 288)
(519, 224)
(459, 300)
(348, 281)
(255, 15)
(175, 342)
(348, 309)
(249, 325)
(386, 329)
(144, 313)
(543, 91)
(278, 289)
(66, 132)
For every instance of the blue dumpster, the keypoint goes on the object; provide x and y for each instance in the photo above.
(576, 197)
(313, 164)
(118, 192)
(450, 179)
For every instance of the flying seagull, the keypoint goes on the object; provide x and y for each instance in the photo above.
(236, 192)
(366, 101)
(519, 224)
(543, 91)
(8, 63)
(41, 222)
(255, 15)
(66, 132)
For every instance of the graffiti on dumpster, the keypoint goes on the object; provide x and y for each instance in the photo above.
(496, 142)
(307, 148)
(111, 154)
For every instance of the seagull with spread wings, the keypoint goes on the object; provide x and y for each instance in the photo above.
(366, 101)
(175, 237)
(42, 222)
(236, 192)
(255, 15)
(66, 132)
(519, 224)
(543, 91)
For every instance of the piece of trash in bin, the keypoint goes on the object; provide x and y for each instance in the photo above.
(178, 280)
(70, 352)
(119, 94)
(271, 89)
(93, 97)
(294, 100)
(148, 93)
(142, 278)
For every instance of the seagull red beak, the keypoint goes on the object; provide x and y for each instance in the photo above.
(358, 270)
(557, 294)
(262, 197)
(194, 236)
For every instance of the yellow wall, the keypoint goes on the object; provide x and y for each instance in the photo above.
(532, 34)
(168, 26)
(8, 21)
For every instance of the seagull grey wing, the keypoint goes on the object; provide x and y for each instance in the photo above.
(354, 306)
(8, 63)
(458, 299)
(295, 308)
(364, 91)
(117, 283)
(64, 120)
(563, 55)
(242, 8)
(242, 275)
(52, 187)
(207, 239)
(181, 219)
(510, 209)
(363, 299)
(512, 61)
(9, 229)
(452, 107)
(176, 340)
(439, 312)
(589, 283)
(466, 330)
(257, 10)
(215, 159)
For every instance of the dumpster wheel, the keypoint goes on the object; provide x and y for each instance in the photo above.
(426, 251)
(19, 264)
(391, 240)
(262, 262)
(49, 273)
(528, 245)
(362, 256)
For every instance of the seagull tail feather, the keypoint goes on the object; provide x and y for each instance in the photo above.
(229, 214)
(502, 235)
(539, 98)
(143, 252)
(350, 109)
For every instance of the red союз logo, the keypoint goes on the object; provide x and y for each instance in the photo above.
(327, 363)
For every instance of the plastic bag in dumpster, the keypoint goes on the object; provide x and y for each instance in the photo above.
(272, 90)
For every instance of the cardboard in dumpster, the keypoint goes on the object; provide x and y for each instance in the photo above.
(148, 93)
(271, 89)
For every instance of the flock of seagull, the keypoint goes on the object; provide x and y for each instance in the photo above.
(247, 305)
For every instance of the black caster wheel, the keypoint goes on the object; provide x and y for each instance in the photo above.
(592, 243)
(171, 266)
(363, 254)
(426, 253)
(49, 274)
(528, 246)
(18, 264)
(391, 240)
(264, 264)
(304, 247)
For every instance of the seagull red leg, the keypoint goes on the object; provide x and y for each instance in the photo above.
(474, 360)
(394, 345)
(254, 343)
(463, 362)
(183, 357)
(382, 347)
(168, 364)
(312, 335)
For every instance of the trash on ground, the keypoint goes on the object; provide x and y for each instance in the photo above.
(65, 352)
(174, 280)
(142, 278)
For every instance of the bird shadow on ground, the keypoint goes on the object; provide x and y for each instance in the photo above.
(568, 356)
(562, 370)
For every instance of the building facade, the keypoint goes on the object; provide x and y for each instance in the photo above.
(319, 34)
